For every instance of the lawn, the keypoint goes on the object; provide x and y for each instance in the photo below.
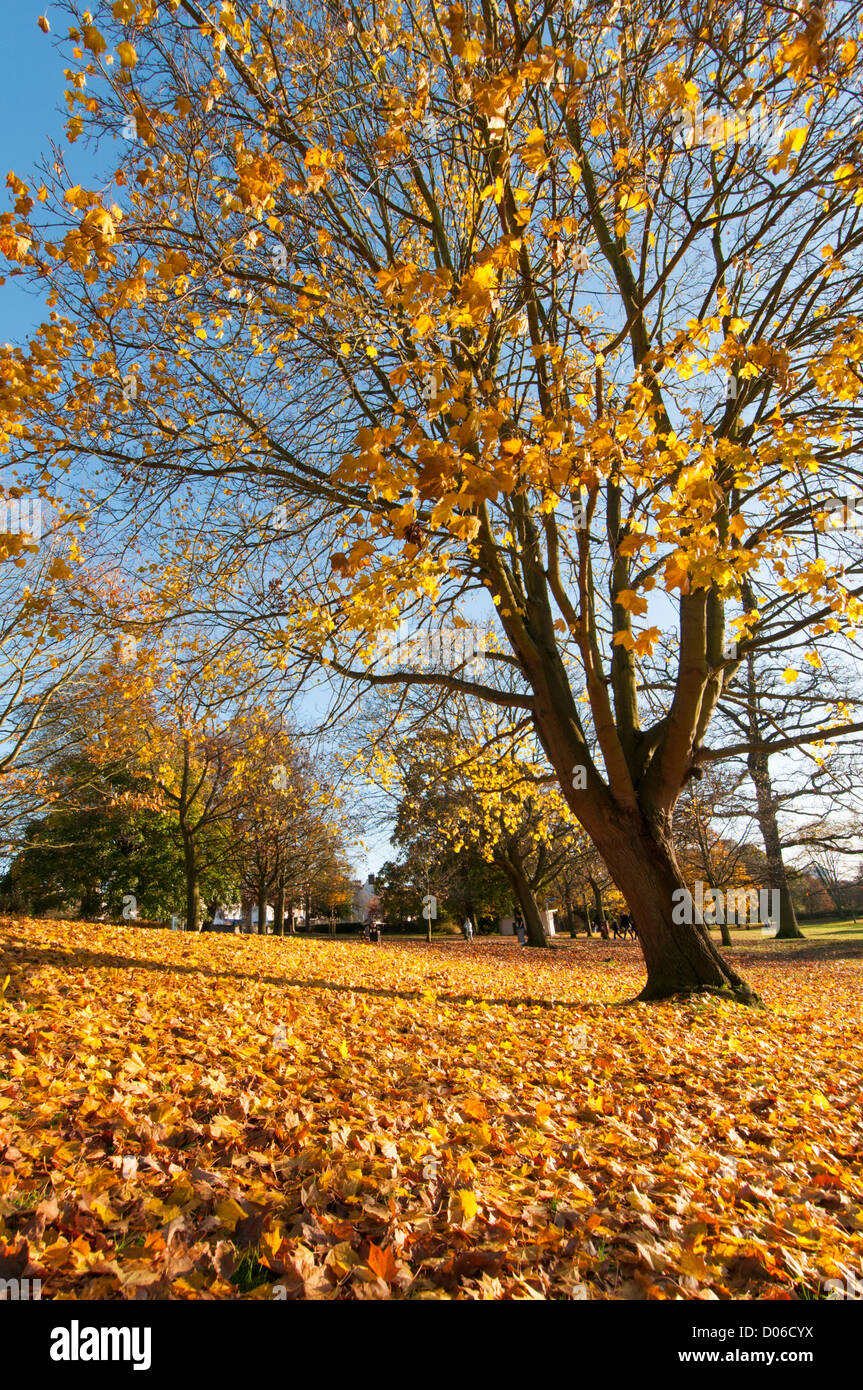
(812, 931)
(222, 1117)
(843, 927)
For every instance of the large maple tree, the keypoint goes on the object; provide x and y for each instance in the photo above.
(547, 302)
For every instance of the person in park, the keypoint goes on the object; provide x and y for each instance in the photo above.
(627, 926)
(467, 929)
(520, 930)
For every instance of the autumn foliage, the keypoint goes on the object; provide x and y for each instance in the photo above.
(186, 1117)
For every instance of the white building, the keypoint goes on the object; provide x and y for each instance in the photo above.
(506, 925)
(364, 893)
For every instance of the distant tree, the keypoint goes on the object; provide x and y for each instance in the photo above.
(768, 705)
(45, 641)
(462, 882)
(476, 780)
(87, 860)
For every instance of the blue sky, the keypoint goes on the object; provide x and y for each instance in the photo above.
(31, 116)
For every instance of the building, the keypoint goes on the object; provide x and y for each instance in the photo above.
(506, 925)
(364, 898)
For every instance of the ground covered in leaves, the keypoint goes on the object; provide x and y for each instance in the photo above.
(223, 1117)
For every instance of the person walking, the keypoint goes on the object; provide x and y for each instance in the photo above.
(520, 930)
(467, 929)
(627, 926)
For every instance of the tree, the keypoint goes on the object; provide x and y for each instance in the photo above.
(98, 853)
(719, 860)
(267, 816)
(334, 890)
(827, 867)
(526, 325)
(479, 782)
(768, 707)
(462, 883)
(582, 872)
(116, 763)
(320, 870)
(45, 641)
(174, 719)
(289, 823)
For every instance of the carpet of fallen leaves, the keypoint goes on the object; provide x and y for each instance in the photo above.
(236, 1117)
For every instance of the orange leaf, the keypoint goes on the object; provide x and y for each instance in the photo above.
(382, 1263)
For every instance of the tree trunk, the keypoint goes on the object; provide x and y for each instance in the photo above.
(597, 898)
(91, 903)
(758, 763)
(570, 916)
(632, 833)
(724, 929)
(759, 771)
(586, 912)
(628, 820)
(292, 927)
(262, 906)
(308, 908)
(527, 902)
(193, 904)
(279, 924)
(680, 957)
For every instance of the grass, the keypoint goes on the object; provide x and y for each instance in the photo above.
(839, 928)
(250, 1273)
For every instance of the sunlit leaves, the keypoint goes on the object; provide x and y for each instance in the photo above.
(431, 1126)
